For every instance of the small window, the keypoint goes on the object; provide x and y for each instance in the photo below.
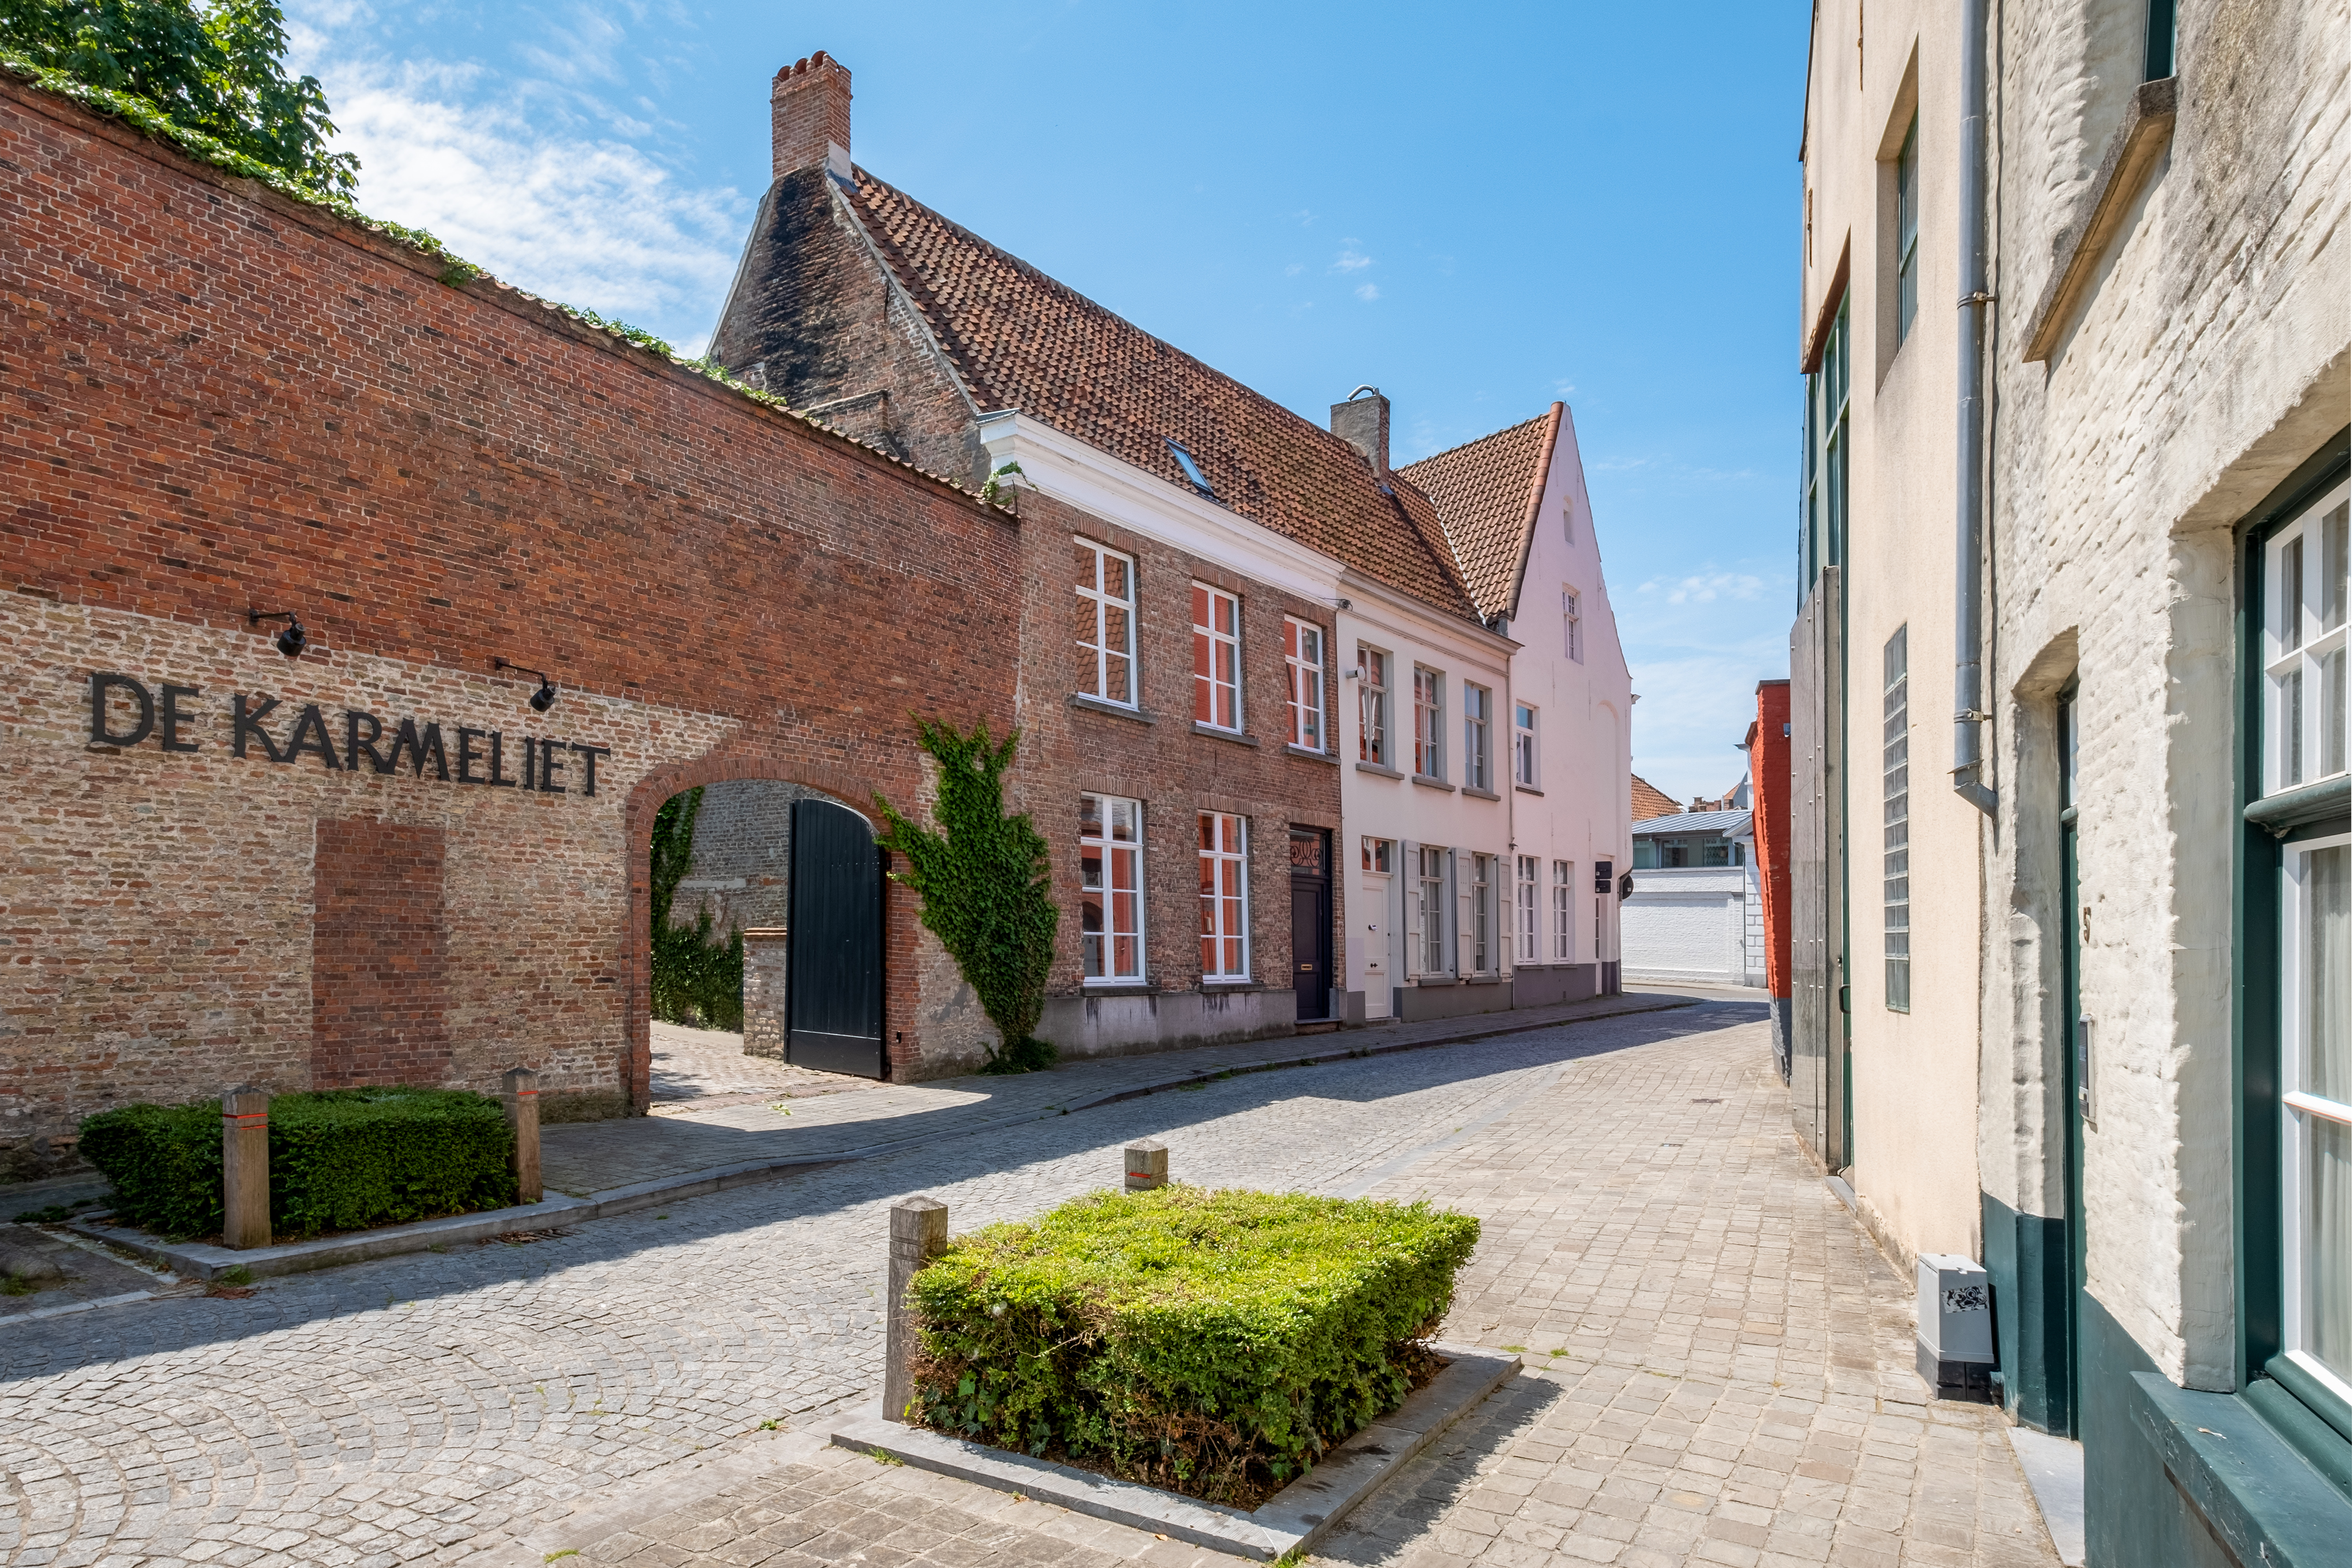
(1481, 915)
(1571, 612)
(1428, 722)
(1530, 908)
(1563, 919)
(2163, 40)
(1906, 233)
(1224, 897)
(1379, 855)
(1302, 657)
(1106, 624)
(2305, 648)
(1522, 746)
(1372, 699)
(1110, 888)
(1193, 474)
(1478, 720)
(1567, 520)
(1216, 658)
(1895, 792)
(1431, 914)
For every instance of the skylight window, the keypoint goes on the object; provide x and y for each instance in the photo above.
(1200, 481)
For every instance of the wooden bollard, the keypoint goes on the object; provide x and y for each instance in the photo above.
(520, 1088)
(244, 1168)
(919, 1233)
(1147, 1165)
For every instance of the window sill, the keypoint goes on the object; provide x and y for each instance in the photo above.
(2281, 814)
(2138, 143)
(1527, 789)
(2262, 1497)
(1484, 979)
(1430, 781)
(1116, 988)
(1112, 710)
(1214, 733)
(1476, 793)
(1378, 771)
(1319, 756)
(1426, 981)
(1228, 982)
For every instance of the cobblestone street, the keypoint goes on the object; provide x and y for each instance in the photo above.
(1718, 1365)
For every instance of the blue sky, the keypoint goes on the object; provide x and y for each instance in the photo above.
(1479, 208)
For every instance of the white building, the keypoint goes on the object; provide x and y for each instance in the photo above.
(1696, 913)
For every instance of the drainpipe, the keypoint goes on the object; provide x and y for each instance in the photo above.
(1968, 622)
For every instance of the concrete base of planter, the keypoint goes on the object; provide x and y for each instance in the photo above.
(1293, 1519)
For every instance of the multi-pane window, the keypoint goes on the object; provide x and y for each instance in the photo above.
(1428, 722)
(1895, 789)
(1106, 624)
(1482, 915)
(1826, 391)
(1224, 897)
(1216, 658)
(1430, 892)
(1530, 894)
(1111, 887)
(1477, 722)
(1906, 232)
(1372, 699)
(1571, 615)
(1376, 855)
(2303, 719)
(1523, 745)
(1302, 660)
(2305, 647)
(1563, 922)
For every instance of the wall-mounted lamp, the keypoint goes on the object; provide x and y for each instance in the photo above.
(293, 639)
(542, 699)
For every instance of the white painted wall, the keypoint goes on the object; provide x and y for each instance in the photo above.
(1691, 923)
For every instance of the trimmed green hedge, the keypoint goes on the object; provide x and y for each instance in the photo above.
(1214, 1342)
(341, 1159)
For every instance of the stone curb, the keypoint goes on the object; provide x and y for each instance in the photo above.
(1293, 1519)
(208, 1263)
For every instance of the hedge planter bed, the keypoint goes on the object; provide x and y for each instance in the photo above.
(1216, 1344)
(339, 1159)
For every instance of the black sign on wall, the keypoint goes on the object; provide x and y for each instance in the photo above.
(541, 763)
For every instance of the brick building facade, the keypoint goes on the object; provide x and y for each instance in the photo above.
(218, 402)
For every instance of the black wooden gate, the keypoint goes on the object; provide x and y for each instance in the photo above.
(833, 988)
(1310, 920)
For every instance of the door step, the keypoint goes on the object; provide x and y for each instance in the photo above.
(1319, 1027)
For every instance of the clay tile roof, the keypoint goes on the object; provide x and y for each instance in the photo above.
(1650, 801)
(1488, 492)
(1021, 341)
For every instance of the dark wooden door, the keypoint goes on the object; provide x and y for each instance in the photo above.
(834, 989)
(1310, 920)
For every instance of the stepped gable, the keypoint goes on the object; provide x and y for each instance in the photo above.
(1488, 492)
(1020, 340)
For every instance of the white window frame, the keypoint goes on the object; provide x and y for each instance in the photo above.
(1216, 658)
(1375, 742)
(1563, 911)
(1477, 737)
(1530, 881)
(1222, 839)
(1431, 950)
(1526, 756)
(1104, 654)
(2299, 1108)
(1485, 958)
(1101, 958)
(1571, 612)
(1379, 855)
(2303, 657)
(1428, 722)
(1302, 656)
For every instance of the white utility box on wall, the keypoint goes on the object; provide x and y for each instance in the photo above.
(1956, 1354)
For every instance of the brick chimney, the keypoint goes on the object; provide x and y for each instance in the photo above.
(1362, 422)
(811, 110)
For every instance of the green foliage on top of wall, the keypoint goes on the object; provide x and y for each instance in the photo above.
(219, 69)
(341, 1159)
(986, 888)
(696, 980)
(1214, 1342)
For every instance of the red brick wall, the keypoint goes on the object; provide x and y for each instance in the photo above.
(1767, 772)
(379, 956)
(219, 400)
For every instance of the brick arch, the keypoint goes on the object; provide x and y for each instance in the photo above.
(759, 758)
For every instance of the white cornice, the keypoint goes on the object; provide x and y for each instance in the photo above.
(1395, 602)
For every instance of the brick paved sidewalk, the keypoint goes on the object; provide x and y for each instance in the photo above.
(728, 1129)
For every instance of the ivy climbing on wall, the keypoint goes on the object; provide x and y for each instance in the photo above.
(987, 895)
(697, 980)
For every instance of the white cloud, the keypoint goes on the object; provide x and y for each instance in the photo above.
(555, 204)
(1706, 589)
(1351, 261)
(1696, 705)
(1368, 292)
(1293, 270)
